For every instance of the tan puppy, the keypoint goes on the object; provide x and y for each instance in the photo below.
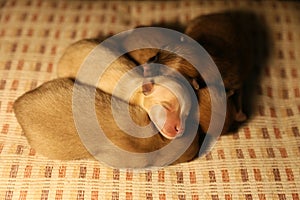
(47, 118)
(175, 101)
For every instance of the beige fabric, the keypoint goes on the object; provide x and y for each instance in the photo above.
(261, 161)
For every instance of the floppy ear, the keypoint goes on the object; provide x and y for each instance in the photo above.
(230, 93)
(195, 84)
(147, 86)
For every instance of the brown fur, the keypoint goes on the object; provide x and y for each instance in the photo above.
(205, 111)
(220, 35)
(45, 115)
(239, 45)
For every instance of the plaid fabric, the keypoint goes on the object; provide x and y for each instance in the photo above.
(260, 161)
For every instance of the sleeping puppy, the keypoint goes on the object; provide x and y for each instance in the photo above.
(169, 118)
(237, 42)
(46, 114)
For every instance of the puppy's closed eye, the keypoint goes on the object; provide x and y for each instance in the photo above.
(154, 59)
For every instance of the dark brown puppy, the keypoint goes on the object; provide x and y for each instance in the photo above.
(238, 43)
(46, 116)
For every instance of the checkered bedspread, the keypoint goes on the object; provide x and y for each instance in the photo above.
(260, 161)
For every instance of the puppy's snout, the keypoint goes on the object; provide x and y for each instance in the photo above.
(170, 124)
(173, 129)
(179, 128)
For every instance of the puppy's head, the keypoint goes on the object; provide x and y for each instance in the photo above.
(168, 105)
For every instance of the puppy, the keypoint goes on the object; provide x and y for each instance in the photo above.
(232, 39)
(46, 114)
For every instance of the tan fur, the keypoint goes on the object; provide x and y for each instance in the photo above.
(135, 39)
(45, 115)
(75, 55)
(141, 56)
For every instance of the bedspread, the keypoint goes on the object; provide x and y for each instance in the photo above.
(260, 161)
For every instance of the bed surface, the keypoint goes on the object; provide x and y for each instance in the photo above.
(260, 161)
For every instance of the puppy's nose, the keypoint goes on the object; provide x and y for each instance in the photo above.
(179, 129)
(173, 131)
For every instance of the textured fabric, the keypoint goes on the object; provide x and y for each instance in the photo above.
(260, 161)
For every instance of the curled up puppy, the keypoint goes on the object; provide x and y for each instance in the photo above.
(46, 114)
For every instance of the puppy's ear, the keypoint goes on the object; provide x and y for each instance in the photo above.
(240, 116)
(230, 93)
(147, 86)
(195, 84)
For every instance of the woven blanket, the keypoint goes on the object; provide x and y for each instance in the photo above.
(259, 161)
